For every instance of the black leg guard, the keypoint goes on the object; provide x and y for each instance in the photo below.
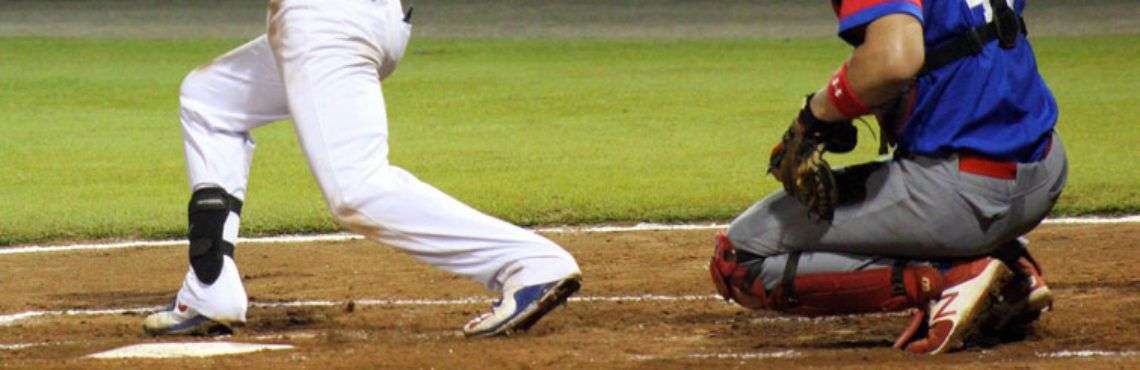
(209, 208)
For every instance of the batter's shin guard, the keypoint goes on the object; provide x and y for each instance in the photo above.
(209, 210)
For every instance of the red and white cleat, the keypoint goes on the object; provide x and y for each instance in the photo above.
(1040, 298)
(972, 289)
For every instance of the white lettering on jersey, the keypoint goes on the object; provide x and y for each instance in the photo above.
(987, 9)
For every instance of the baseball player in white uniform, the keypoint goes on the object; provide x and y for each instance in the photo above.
(321, 63)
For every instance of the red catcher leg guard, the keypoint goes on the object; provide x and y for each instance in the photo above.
(836, 293)
(731, 279)
(722, 265)
(873, 290)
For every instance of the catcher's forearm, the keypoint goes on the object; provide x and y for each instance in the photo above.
(891, 55)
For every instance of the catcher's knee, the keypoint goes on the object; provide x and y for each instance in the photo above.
(210, 210)
(736, 275)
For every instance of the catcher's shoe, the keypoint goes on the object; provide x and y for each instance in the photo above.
(178, 319)
(1023, 300)
(521, 307)
(1038, 297)
(972, 288)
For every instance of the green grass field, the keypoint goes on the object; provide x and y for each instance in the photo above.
(535, 131)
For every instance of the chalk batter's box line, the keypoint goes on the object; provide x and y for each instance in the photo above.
(339, 237)
(9, 319)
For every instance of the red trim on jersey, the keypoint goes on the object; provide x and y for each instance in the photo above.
(842, 96)
(849, 7)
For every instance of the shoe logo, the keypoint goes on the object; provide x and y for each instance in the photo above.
(211, 202)
(182, 308)
(947, 300)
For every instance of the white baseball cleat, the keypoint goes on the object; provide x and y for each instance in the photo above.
(521, 307)
(972, 288)
(179, 319)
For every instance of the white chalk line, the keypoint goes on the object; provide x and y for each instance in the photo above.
(724, 356)
(478, 300)
(339, 237)
(11, 319)
(19, 346)
(287, 336)
(1087, 353)
(7, 320)
(747, 356)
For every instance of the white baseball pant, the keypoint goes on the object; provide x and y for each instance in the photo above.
(321, 63)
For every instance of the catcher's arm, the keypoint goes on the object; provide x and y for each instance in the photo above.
(878, 70)
(890, 56)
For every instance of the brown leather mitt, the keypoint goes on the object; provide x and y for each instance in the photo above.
(797, 161)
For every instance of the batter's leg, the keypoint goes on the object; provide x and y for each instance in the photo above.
(332, 55)
(220, 103)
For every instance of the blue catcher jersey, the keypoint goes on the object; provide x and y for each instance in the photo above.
(993, 104)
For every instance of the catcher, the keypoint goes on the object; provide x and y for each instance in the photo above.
(936, 228)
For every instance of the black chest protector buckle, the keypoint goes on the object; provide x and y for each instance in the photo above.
(1006, 24)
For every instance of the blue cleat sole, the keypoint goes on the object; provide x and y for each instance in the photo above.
(553, 297)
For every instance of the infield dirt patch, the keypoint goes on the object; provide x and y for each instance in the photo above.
(1091, 268)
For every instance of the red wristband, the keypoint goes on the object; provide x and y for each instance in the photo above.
(842, 97)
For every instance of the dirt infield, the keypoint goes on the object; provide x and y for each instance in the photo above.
(407, 315)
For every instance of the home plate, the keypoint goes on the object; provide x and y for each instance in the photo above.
(187, 349)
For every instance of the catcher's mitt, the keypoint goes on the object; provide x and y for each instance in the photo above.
(797, 160)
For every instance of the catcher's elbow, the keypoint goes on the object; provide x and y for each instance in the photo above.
(900, 67)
